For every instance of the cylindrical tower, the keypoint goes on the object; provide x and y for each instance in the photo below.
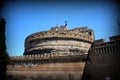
(59, 40)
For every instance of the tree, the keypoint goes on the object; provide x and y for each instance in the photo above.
(4, 57)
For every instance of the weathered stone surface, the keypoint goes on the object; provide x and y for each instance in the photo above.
(57, 54)
(104, 59)
(60, 39)
(54, 71)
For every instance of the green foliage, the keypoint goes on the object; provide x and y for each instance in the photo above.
(4, 57)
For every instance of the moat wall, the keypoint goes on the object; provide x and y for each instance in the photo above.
(56, 71)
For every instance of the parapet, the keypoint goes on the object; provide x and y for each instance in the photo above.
(59, 28)
(99, 41)
(79, 33)
(115, 38)
(45, 56)
(102, 42)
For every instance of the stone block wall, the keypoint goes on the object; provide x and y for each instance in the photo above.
(104, 59)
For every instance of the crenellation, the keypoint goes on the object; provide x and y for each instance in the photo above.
(43, 56)
(114, 38)
(110, 48)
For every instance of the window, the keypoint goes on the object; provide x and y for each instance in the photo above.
(75, 34)
(62, 33)
(83, 36)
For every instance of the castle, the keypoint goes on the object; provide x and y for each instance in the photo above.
(62, 54)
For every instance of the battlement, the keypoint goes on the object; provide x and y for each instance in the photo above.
(50, 55)
(99, 41)
(102, 42)
(101, 46)
(115, 38)
(46, 58)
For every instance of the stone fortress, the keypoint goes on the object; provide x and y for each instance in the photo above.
(62, 54)
(59, 40)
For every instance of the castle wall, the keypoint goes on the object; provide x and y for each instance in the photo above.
(50, 67)
(59, 45)
(104, 60)
(56, 71)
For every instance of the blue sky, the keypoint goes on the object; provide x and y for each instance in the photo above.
(26, 17)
